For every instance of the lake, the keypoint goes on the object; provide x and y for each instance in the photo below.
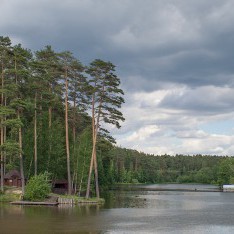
(137, 209)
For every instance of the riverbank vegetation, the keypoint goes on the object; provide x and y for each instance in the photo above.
(53, 116)
(130, 166)
(38, 188)
(10, 194)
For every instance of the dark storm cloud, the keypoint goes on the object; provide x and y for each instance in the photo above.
(174, 58)
(153, 41)
(81, 26)
(209, 100)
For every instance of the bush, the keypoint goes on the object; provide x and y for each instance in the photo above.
(135, 181)
(185, 179)
(38, 188)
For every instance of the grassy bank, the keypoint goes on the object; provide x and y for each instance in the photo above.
(9, 197)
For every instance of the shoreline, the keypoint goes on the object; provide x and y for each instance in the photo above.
(14, 197)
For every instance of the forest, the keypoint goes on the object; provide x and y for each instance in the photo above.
(54, 115)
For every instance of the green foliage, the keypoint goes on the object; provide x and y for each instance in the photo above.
(231, 181)
(9, 197)
(13, 123)
(81, 159)
(204, 175)
(38, 188)
(6, 111)
(185, 179)
(226, 171)
(135, 181)
(128, 165)
(10, 147)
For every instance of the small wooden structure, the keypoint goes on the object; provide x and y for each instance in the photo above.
(228, 188)
(60, 186)
(13, 178)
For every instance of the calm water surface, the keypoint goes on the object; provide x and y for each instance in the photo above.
(129, 212)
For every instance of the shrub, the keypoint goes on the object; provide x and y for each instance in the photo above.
(135, 181)
(38, 188)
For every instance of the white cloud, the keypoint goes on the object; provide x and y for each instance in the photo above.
(212, 144)
(200, 134)
(178, 128)
(143, 133)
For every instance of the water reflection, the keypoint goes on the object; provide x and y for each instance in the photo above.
(129, 211)
(62, 219)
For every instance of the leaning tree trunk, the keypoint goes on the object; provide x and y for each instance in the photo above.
(92, 157)
(93, 163)
(96, 174)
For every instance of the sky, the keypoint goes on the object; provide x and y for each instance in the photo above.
(175, 59)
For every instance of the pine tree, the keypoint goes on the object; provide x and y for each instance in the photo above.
(21, 60)
(106, 100)
(67, 62)
(5, 53)
(78, 98)
(50, 74)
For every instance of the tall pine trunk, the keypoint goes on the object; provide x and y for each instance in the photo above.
(2, 159)
(35, 134)
(20, 141)
(21, 158)
(75, 164)
(49, 125)
(2, 130)
(67, 135)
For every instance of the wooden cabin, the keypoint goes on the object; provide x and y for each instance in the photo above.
(12, 178)
(60, 186)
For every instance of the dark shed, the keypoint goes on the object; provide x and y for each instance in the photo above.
(60, 186)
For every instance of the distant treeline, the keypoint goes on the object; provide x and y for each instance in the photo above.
(130, 166)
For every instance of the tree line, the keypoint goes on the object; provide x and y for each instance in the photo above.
(53, 111)
(131, 166)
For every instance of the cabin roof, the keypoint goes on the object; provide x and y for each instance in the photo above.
(62, 181)
(12, 173)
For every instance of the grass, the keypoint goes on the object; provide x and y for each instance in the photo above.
(9, 197)
(10, 194)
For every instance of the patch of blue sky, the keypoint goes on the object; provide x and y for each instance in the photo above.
(219, 127)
